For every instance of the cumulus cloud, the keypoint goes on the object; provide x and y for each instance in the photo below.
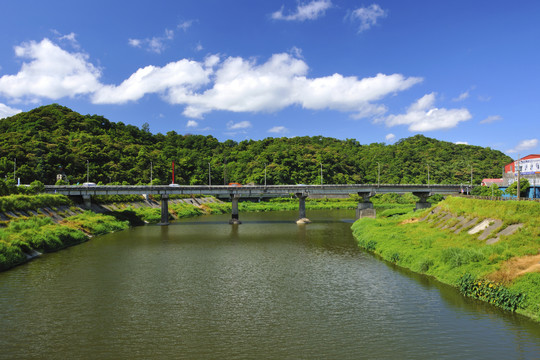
(6, 111)
(155, 44)
(461, 143)
(309, 11)
(390, 137)
(423, 116)
(232, 84)
(176, 78)
(51, 73)
(278, 130)
(524, 146)
(368, 16)
(491, 119)
(239, 125)
(192, 124)
(243, 86)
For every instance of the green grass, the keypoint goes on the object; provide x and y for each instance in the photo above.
(39, 233)
(32, 202)
(425, 248)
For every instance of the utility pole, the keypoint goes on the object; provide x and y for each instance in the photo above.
(518, 177)
(151, 172)
(471, 176)
(428, 174)
(378, 173)
(264, 174)
(87, 171)
(209, 176)
(321, 174)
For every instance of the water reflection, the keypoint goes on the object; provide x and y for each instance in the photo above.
(268, 288)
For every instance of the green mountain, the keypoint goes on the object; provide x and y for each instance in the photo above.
(51, 139)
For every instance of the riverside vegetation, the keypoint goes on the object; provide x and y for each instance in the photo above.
(504, 273)
(24, 237)
(53, 139)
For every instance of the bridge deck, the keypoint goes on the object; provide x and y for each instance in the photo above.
(250, 190)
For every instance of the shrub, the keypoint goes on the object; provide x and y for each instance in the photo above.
(490, 292)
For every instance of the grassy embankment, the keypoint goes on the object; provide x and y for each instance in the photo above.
(20, 238)
(504, 273)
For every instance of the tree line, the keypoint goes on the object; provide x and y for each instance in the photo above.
(53, 139)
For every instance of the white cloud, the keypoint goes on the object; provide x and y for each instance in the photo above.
(524, 146)
(422, 116)
(185, 25)
(462, 96)
(192, 124)
(6, 111)
(461, 143)
(390, 137)
(309, 11)
(368, 16)
(156, 44)
(232, 84)
(243, 86)
(278, 130)
(491, 119)
(239, 125)
(52, 73)
(176, 77)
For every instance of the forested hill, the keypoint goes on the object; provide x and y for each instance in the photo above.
(53, 137)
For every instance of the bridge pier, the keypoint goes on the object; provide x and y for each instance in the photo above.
(365, 208)
(164, 210)
(234, 214)
(87, 201)
(423, 203)
(302, 219)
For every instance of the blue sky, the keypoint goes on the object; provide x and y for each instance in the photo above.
(459, 71)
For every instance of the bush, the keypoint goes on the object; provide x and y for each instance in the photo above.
(490, 292)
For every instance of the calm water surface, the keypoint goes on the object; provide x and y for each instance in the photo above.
(266, 289)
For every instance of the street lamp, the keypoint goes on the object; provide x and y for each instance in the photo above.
(378, 173)
(321, 175)
(428, 174)
(264, 174)
(151, 172)
(87, 171)
(209, 175)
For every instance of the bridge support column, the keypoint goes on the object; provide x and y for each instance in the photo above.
(365, 208)
(422, 203)
(302, 219)
(234, 216)
(87, 201)
(164, 210)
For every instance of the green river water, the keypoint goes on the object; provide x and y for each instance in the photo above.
(266, 289)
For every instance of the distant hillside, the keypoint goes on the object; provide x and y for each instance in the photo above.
(53, 137)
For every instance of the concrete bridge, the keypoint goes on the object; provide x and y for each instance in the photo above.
(234, 193)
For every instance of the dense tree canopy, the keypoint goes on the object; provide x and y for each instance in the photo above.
(53, 139)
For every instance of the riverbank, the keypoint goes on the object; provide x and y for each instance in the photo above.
(488, 249)
(33, 225)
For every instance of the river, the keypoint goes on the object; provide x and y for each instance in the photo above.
(266, 289)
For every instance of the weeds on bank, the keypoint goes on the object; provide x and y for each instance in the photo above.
(425, 248)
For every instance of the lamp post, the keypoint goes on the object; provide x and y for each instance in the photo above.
(151, 172)
(378, 173)
(321, 175)
(87, 171)
(518, 177)
(264, 174)
(428, 174)
(209, 176)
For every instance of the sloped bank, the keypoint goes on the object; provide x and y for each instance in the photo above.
(33, 225)
(487, 249)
